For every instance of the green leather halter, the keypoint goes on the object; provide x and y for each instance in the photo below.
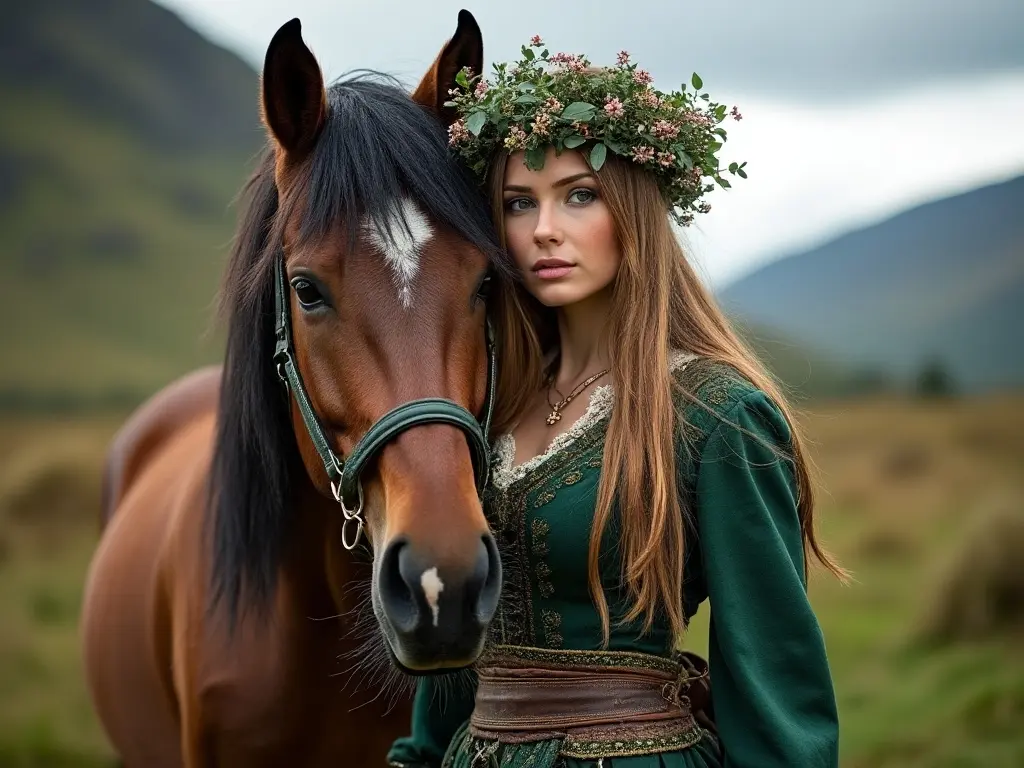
(344, 474)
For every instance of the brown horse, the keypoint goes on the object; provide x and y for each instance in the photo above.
(219, 617)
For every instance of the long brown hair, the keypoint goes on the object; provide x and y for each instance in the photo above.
(659, 304)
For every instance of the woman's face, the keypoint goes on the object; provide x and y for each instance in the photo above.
(558, 229)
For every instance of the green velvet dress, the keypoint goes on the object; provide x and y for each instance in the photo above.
(774, 702)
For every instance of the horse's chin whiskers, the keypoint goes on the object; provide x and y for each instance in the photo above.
(371, 664)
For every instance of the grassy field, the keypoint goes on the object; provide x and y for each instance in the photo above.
(922, 500)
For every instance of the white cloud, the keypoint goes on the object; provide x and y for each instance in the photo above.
(815, 172)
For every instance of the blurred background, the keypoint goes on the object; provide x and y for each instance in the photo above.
(874, 257)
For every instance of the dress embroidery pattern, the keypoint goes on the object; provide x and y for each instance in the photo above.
(514, 495)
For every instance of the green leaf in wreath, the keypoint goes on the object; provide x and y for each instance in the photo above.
(535, 158)
(475, 123)
(571, 142)
(597, 156)
(696, 81)
(579, 110)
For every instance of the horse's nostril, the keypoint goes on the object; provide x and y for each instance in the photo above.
(490, 591)
(396, 586)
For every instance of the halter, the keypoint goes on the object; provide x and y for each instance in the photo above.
(345, 474)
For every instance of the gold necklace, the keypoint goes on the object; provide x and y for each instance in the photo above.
(556, 410)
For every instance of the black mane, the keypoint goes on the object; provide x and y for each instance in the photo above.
(377, 145)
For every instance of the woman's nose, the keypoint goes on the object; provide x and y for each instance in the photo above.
(548, 230)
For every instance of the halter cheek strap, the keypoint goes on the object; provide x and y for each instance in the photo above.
(345, 474)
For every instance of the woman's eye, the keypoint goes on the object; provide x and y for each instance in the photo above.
(582, 196)
(307, 293)
(519, 204)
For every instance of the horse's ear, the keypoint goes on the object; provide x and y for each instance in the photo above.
(292, 98)
(465, 49)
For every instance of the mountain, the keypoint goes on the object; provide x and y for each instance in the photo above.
(941, 283)
(125, 137)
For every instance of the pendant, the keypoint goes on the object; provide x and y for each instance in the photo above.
(553, 418)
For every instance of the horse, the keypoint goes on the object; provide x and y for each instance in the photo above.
(340, 449)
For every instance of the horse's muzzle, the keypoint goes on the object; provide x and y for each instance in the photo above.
(437, 614)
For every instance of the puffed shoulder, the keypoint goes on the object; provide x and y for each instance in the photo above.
(712, 397)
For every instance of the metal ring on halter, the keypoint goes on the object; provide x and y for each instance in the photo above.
(359, 531)
(350, 515)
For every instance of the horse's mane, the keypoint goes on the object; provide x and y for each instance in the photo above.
(376, 146)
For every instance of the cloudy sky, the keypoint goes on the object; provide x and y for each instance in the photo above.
(852, 111)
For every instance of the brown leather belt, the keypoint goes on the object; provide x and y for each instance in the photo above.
(593, 700)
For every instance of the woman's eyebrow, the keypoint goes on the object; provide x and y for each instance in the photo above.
(559, 183)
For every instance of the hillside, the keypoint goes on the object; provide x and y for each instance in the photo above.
(124, 139)
(942, 281)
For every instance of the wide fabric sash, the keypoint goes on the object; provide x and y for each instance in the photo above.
(596, 704)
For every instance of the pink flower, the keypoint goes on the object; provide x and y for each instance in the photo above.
(571, 61)
(453, 91)
(667, 159)
(614, 108)
(516, 138)
(736, 114)
(541, 123)
(696, 118)
(581, 128)
(623, 58)
(553, 105)
(643, 77)
(481, 89)
(643, 154)
(649, 98)
(536, 42)
(663, 129)
(457, 133)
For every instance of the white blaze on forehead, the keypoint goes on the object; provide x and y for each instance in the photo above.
(432, 589)
(409, 233)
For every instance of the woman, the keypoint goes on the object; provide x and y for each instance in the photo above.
(645, 461)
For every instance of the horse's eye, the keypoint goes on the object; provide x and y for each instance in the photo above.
(308, 294)
(483, 291)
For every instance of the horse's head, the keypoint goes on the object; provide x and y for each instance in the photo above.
(373, 265)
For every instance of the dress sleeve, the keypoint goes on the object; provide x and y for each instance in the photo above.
(442, 703)
(772, 689)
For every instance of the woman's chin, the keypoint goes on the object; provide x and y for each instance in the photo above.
(555, 295)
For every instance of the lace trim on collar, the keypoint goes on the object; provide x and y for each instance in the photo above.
(599, 406)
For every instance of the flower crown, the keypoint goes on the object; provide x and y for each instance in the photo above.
(559, 101)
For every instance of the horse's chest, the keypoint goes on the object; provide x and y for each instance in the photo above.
(293, 698)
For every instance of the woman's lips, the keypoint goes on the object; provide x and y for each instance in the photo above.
(550, 273)
(551, 269)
